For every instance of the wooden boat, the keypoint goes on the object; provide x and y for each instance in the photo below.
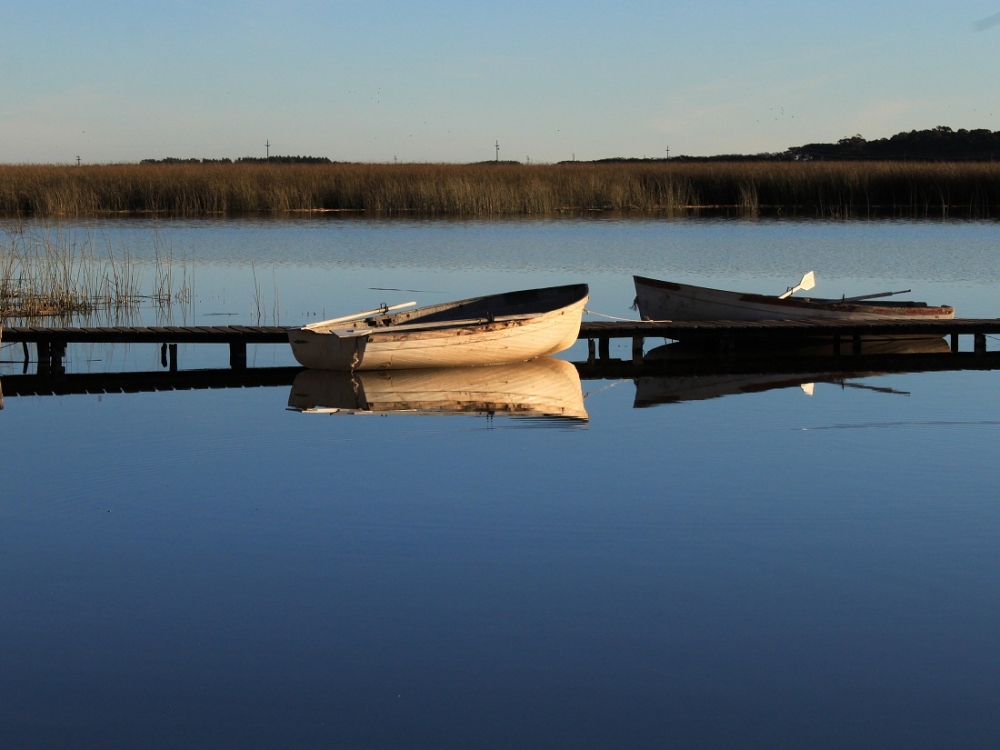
(490, 330)
(669, 301)
(543, 387)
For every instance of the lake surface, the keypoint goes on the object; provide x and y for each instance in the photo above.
(767, 568)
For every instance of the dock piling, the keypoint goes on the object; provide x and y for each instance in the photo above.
(637, 344)
(43, 353)
(604, 347)
(238, 355)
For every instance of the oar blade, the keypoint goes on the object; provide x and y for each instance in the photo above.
(808, 282)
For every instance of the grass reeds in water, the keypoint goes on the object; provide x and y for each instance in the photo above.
(48, 274)
(807, 189)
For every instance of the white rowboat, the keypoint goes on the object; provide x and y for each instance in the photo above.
(669, 301)
(490, 330)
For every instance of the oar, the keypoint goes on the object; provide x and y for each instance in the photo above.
(355, 316)
(874, 296)
(807, 283)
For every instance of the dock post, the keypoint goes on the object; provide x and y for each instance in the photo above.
(980, 345)
(172, 348)
(163, 355)
(954, 343)
(238, 354)
(590, 351)
(836, 344)
(604, 348)
(727, 346)
(43, 353)
(856, 344)
(58, 352)
(637, 343)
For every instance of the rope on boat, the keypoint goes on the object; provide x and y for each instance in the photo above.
(626, 320)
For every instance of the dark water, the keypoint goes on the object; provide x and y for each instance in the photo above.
(770, 569)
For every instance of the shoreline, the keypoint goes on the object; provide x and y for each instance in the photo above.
(807, 189)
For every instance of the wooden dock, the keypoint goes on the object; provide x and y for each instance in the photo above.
(724, 337)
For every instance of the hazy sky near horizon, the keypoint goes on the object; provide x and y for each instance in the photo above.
(442, 80)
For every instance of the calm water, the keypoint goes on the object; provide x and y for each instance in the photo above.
(770, 569)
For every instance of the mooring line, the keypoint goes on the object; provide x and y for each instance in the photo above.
(626, 320)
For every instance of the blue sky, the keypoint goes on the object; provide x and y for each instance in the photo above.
(441, 81)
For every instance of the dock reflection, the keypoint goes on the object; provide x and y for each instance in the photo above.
(545, 387)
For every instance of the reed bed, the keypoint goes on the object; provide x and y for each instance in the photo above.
(807, 189)
(46, 274)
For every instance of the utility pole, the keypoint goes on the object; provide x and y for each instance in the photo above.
(78, 161)
(498, 152)
(267, 152)
(668, 152)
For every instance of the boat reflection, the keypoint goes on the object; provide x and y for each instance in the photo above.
(544, 387)
(651, 390)
(822, 347)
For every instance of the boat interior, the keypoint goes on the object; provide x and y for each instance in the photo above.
(508, 304)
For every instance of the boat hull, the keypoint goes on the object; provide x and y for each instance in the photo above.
(668, 301)
(441, 343)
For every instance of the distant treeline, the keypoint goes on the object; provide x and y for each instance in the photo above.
(244, 159)
(938, 144)
(806, 188)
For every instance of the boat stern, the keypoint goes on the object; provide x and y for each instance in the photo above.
(327, 350)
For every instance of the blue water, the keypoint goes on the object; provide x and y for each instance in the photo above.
(780, 570)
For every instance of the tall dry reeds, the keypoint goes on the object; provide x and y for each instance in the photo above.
(808, 189)
(47, 273)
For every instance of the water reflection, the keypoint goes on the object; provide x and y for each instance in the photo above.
(653, 390)
(544, 387)
(820, 347)
(687, 373)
